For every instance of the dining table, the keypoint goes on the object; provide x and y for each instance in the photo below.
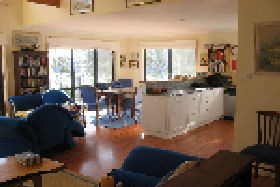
(120, 94)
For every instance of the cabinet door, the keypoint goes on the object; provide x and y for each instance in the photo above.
(154, 113)
(204, 107)
(177, 113)
(194, 104)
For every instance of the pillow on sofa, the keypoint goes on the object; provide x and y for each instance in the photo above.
(184, 167)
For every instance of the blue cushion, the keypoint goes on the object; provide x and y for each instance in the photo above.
(10, 147)
(154, 161)
(264, 153)
(55, 97)
(52, 124)
(9, 128)
(116, 84)
(126, 83)
(77, 129)
(134, 179)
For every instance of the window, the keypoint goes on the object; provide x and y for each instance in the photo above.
(104, 66)
(183, 62)
(72, 68)
(156, 64)
(164, 64)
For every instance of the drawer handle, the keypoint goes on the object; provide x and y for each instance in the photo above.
(206, 110)
(206, 101)
(193, 98)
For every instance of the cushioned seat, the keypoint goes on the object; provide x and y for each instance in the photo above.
(14, 146)
(264, 153)
(77, 129)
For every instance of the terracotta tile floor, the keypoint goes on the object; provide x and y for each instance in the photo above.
(103, 149)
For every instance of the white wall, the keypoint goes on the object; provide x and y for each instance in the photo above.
(207, 38)
(262, 91)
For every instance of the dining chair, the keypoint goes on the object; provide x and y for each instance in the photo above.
(128, 104)
(89, 96)
(267, 149)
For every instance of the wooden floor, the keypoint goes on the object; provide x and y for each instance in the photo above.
(102, 149)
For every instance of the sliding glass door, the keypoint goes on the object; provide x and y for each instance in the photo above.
(60, 69)
(72, 68)
(83, 70)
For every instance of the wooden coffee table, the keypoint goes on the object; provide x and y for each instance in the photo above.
(13, 173)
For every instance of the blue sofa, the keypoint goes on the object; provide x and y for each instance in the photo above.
(31, 101)
(146, 166)
(46, 127)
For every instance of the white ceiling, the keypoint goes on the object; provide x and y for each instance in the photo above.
(162, 20)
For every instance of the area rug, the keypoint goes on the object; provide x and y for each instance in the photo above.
(109, 121)
(65, 178)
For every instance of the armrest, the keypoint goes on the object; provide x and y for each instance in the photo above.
(129, 178)
(16, 128)
(26, 102)
(154, 161)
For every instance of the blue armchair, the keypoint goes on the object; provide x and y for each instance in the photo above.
(145, 166)
(44, 128)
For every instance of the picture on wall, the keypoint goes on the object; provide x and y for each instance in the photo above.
(267, 47)
(81, 6)
(26, 39)
(134, 56)
(122, 60)
(203, 59)
(133, 63)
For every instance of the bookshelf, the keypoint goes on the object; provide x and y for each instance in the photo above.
(31, 72)
(221, 57)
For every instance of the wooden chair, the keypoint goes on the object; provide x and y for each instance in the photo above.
(267, 150)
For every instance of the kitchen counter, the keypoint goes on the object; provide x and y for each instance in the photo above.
(176, 112)
(179, 92)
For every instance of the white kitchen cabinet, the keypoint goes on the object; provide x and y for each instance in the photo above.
(168, 116)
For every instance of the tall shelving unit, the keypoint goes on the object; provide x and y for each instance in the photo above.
(221, 57)
(31, 71)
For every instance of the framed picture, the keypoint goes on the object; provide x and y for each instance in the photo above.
(26, 39)
(133, 63)
(267, 47)
(134, 56)
(122, 60)
(81, 6)
(137, 3)
(203, 59)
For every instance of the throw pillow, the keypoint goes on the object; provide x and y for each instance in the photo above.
(187, 165)
(184, 167)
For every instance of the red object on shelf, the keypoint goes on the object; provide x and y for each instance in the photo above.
(233, 64)
(220, 55)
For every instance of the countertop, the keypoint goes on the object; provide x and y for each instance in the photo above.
(180, 92)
